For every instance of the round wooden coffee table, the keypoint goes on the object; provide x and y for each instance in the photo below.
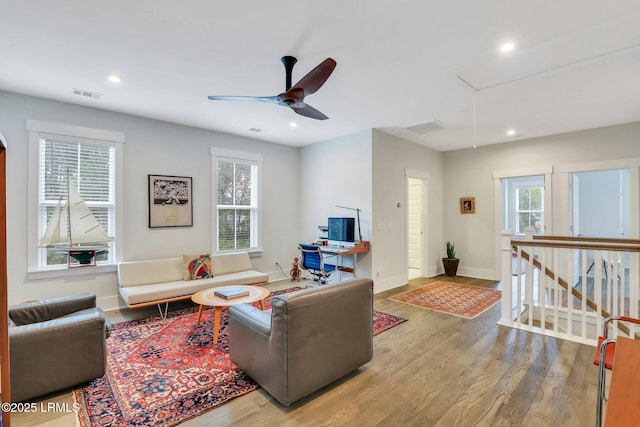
(207, 297)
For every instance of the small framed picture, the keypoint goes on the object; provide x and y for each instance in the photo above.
(170, 201)
(467, 205)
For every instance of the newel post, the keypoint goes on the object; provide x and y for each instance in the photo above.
(528, 232)
(507, 287)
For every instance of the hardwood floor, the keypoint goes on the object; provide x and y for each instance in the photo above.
(434, 370)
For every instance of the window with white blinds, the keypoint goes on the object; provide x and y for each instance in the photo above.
(90, 167)
(237, 203)
(85, 165)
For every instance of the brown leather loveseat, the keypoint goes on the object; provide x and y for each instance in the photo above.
(309, 338)
(56, 344)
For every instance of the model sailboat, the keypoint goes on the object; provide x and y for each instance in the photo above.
(74, 230)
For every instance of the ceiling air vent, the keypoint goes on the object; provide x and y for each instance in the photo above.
(87, 93)
(426, 127)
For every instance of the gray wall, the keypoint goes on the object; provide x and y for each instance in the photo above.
(152, 147)
(469, 172)
(337, 173)
(392, 157)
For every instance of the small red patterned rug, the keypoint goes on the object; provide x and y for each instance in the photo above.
(452, 298)
(163, 372)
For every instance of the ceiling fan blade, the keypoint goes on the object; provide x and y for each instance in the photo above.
(316, 77)
(293, 97)
(273, 99)
(308, 111)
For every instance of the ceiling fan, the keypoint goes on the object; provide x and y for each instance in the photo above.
(293, 97)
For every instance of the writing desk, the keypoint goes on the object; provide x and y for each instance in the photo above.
(339, 251)
(623, 407)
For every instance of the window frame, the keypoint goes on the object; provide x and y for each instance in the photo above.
(502, 200)
(242, 157)
(38, 130)
(518, 211)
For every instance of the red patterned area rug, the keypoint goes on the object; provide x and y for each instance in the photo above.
(452, 298)
(163, 372)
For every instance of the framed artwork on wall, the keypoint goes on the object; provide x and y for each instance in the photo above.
(170, 201)
(467, 205)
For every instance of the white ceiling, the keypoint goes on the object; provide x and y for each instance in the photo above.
(576, 64)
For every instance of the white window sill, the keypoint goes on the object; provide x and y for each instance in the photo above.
(253, 253)
(71, 272)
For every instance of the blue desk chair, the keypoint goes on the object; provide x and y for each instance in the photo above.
(313, 261)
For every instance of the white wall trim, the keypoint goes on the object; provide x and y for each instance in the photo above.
(79, 131)
(542, 170)
(111, 303)
(413, 173)
(235, 154)
(603, 165)
(480, 273)
(381, 285)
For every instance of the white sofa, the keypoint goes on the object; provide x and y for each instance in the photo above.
(150, 282)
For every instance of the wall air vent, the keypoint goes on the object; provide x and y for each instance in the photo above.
(426, 127)
(87, 93)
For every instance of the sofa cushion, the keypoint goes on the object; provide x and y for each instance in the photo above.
(197, 267)
(137, 273)
(158, 291)
(231, 263)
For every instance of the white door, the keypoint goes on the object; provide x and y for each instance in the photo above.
(415, 226)
(599, 205)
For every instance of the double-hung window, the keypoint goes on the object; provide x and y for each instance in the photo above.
(530, 209)
(523, 203)
(236, 200)
(85, 159)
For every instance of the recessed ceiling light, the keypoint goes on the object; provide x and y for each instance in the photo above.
(114, 78)
(511, 132)
(293, 124)
(507, 47)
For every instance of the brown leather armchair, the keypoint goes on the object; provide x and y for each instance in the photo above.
(309, 338)
(56, 344)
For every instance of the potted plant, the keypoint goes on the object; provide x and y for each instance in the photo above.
(450, 263)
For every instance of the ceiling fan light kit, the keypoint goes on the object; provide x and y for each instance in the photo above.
(293, 97)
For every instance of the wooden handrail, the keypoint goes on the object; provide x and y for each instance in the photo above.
(588, 239)
(568, 244)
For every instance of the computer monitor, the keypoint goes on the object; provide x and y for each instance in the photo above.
(341, 229)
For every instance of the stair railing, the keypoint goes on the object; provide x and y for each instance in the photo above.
(566, 286)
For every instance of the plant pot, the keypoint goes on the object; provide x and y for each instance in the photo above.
(450, 266)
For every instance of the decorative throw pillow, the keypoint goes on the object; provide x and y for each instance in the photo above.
(197, 267)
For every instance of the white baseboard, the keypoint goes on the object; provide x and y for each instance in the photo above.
(110, 303)
(434, 271)
(381, 285)
(479, 273)
(276, 275)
